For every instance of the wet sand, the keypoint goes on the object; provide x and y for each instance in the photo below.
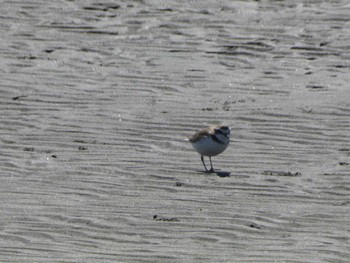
(97, 98)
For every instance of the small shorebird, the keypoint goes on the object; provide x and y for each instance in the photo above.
(210, 141)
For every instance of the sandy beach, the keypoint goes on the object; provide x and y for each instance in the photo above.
(97, 98)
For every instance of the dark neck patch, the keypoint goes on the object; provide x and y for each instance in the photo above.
(215, 139)
(221, 132)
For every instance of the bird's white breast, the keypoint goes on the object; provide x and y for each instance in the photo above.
(208, 147)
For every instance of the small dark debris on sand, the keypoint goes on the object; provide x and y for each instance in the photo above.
(19, 97)
(344, 150)
(82, 148)
(315, 87)
(208, 109)
(165, 219)
(28, 149)
(102, 7)
(253, 225)
(281, 173)
(80, 141)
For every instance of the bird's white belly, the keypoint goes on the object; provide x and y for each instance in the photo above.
(208, 147)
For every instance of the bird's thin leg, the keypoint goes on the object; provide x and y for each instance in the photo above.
(202, 159)
(211, 165)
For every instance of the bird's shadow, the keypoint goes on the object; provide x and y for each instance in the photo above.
(223, 174)
(218, 173)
